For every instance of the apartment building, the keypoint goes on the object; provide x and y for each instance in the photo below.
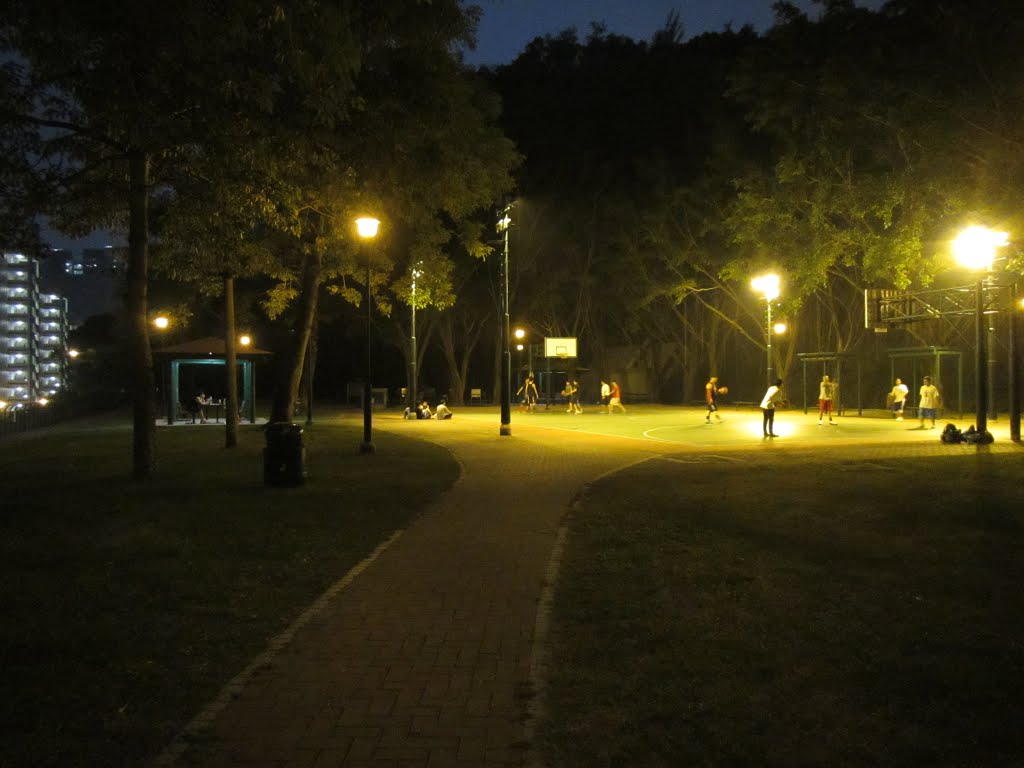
(33, 334)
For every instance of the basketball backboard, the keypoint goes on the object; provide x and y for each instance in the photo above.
(560, 346)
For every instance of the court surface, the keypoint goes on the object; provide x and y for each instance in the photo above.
(685, 427)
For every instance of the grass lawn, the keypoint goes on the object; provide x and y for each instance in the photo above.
(127, 605)
(865, 614)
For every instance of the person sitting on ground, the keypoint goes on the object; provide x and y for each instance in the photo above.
(443, 412)
(424, 412)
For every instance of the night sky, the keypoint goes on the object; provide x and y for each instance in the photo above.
(508, 25)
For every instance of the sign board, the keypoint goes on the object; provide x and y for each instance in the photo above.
(560, 347)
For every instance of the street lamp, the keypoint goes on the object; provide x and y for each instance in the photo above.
(367, 229)
(520, 334)
(506, 353)
(161, 323)
(975, 249)
(768, 286)
(416, 274)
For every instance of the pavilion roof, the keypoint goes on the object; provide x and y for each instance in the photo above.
(210, 346)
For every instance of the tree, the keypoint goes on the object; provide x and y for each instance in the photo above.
(115, 96)
(148, 89)
(207, 235)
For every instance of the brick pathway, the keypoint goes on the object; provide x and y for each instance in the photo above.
(424, 658)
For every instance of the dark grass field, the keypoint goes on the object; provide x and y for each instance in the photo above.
(816, 612)
(128, 605)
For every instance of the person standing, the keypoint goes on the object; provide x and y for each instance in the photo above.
(711, 390)
(571, 392)
(928, 401)
(606, 396)
(826, 393)
(899, 399)
(574, 400)
(530, 393)
(568, 393)
(771, 398)
(616, 398)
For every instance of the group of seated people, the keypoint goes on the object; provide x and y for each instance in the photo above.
(196, 407)
(422, 411)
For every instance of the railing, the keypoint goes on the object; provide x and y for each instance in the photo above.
(25, 417)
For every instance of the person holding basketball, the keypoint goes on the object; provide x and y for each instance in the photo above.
(899, 398)
(711, 393)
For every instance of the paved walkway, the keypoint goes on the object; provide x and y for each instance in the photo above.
(427, 654)
(424, 658)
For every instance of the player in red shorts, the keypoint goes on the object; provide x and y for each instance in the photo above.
(825, 394)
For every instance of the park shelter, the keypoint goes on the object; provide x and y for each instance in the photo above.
(837, 360)
(206, 351)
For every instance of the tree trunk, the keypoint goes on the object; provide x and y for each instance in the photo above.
(140, 354)
(288, 389)
(457, 359)
(230, 363)
(311, 356)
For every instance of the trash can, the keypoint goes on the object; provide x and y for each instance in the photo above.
(284, 458)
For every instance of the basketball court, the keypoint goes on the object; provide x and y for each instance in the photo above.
(741, 427)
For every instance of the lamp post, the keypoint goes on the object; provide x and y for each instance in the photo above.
(975, 248)
(520, 335)
(506, 353)
(161, 323)
(416, 274)
(768, 286)
(367, 229)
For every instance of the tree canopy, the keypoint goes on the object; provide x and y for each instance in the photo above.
(289, 120)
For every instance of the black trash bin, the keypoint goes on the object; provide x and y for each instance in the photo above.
(284, 458)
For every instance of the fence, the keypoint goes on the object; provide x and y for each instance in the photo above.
(25, 417)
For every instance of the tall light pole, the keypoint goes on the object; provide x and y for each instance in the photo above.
(367, 229)
(506, 353)
(520, 335)
(975, 248)
(768, 286)
(162, 323)
(416, 274)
